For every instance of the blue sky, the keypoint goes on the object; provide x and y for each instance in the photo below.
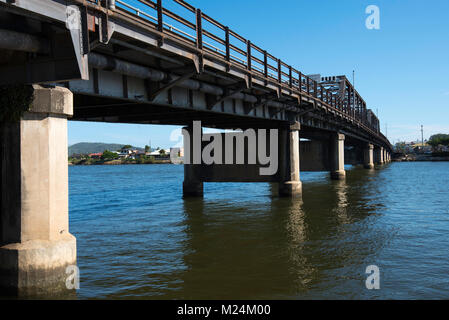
(402, 69)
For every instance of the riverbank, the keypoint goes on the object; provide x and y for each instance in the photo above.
(413, 157)
(117, 162)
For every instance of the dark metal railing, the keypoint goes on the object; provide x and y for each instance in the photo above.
(241, 53)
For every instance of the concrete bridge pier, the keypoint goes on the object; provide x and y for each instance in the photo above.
(35, 244)
(380, 155)
(368, 157)
(192, 185)
(289, 184)
(337, 156)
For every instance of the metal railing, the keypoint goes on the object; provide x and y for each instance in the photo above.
(238, 52)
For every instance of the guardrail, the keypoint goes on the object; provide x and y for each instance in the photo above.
(241, 53)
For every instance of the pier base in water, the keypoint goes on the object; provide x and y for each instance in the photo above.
(368, 157)
(290, 184)
(337, 157)
(35, 244)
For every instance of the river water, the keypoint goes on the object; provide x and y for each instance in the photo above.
(137, 237)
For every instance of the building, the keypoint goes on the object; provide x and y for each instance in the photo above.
(96, 155)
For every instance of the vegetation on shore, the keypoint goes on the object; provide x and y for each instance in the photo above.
(437, 146)
(97, 147)
(125, 155)
(110, 158)
(439, 139)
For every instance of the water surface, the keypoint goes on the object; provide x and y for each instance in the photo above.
(137, 237)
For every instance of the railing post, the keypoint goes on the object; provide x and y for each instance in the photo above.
(290, 80)
(265, 66)
(248, 54)
(199, 29)
(308, 85)
(228, 51)
(315, 89)
(159, 16)
(300, 81)
(160, 24)
(280, 71)
(322, 93)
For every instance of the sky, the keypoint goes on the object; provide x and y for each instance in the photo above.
(401, 69)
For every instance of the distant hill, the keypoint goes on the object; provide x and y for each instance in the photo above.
(95, 147)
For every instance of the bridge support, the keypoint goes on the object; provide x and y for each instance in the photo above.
(35, 243)
(289, 184)
(369, 157)
(337, 156)
(192, 185)
(379, 155)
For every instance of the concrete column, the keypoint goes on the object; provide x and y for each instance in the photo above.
(368, 157)
(337, 156)
(192, 185)
(380, 155)
(289, 184)
(35, 244)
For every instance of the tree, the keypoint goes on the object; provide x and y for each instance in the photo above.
(108, 155)
(162, 152)
(439, 139)
(127, 146)
(400, 147)
(147, 149)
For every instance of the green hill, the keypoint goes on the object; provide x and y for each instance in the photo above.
(94, 147)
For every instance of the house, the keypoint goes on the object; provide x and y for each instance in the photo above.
(157, 153)
(96, 155)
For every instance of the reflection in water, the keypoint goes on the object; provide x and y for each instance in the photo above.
(302, 270)
(283, 249)
(244, 242)
(341, 190)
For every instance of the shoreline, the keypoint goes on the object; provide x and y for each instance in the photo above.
(422, 158)
(117, 163)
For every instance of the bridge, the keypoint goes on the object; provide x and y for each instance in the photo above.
(150, 62)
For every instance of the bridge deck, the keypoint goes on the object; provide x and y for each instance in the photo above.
(170, 63)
